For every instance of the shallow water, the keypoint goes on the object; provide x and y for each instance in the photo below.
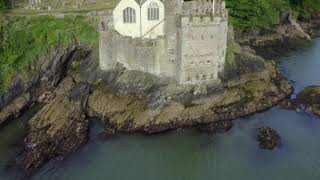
(191, 155)
(11, 144)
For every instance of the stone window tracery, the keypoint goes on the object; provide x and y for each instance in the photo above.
(129, 15)
(153, 11)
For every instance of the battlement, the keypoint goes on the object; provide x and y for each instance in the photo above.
(203, 7)
(201, 20)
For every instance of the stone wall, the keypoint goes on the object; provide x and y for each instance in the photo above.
(197, 7)
(203, 49)
(192, 51)
(137, 54)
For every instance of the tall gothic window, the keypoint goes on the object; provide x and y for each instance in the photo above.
(129, 15)
(153, 11)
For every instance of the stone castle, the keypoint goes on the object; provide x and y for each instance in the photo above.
(180, 39)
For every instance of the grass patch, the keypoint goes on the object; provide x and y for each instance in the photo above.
(232, 47)
(24, 39)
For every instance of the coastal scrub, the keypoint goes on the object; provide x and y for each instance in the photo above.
(25, 39)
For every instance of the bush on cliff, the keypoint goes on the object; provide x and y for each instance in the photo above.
(307, 8)
(256, 13)
(24, 39)
(247, 14)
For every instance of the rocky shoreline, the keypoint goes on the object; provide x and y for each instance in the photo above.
(145, 105)
(285, 38)
(129, 101)
(308, 100)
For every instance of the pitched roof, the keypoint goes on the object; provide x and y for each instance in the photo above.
(140, 2)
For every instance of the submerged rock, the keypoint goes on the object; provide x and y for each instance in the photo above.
(268, 138)
(59, 128)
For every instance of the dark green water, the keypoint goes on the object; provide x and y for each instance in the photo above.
(191, 155)
(11, 144)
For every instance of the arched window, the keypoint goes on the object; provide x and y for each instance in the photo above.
(129, 15)
(153, 11)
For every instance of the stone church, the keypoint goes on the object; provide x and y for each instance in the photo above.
(180, 39)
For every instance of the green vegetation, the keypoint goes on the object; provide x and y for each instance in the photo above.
(307, 8)
(71, 6)
(232, 48)
(24, 39)
(246, 14)
(310, 95)
(4, 5)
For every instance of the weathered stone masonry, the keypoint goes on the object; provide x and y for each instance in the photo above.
(190, 45)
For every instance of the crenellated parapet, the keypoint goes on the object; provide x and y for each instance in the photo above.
(200, 20)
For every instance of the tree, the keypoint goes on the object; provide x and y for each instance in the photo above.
(308, 8)
(256, 13)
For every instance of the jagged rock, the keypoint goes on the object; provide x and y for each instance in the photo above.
(59, 128)
(219, 126)
(309, 99)
(15, 108)
(107, 133)
(268, 138)
(287, 104)
(165, 108)
(276, 42)
(43, 76)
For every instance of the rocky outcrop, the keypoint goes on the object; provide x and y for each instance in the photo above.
(15, 108)
(268, 138)
(41, 77)
(308, 99)
(289, 36)
(131, 101)
(161, 107)
(60, 127)
(298, 28)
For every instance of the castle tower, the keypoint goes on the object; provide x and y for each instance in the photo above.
(203, 41)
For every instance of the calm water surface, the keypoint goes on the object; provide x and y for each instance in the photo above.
(190, 155)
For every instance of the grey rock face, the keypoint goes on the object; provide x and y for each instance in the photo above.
(59, 128)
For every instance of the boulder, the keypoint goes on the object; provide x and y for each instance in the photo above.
(268, 138)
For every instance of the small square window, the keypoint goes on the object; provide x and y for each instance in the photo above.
(208, 62)
(171, 51)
